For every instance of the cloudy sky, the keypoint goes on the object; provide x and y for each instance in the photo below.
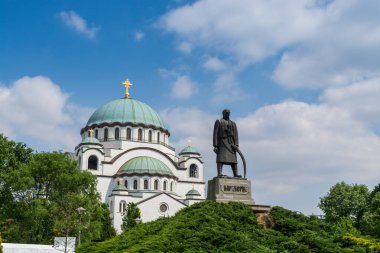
(302, 80)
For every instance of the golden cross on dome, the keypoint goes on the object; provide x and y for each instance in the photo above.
(91, 131)
(189, 143)
(127, 84)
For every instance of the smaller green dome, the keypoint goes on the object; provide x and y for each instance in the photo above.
(193, 192)
(189, 150)
(120, 187)
(144, 165)
(90, 140)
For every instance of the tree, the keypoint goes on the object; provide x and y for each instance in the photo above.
(130, 215)
(344, 200)
(42, 192)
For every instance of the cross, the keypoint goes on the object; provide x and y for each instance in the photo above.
(189, 143)
(127, 85)
(91, 131)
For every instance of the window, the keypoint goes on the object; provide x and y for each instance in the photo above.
(165, 184)
(150, 136)
(158, 137)
(135, 185)
(106, 134)
(129, 134)
(126, 184)
(92, 163)
(111, 206)
(89, 134)
(122, 206)
(117, 133)
(145, 184)
(96, 133)
(193, 172)
(171, 186)
(156, 184)
(139, 135)
(164, 207)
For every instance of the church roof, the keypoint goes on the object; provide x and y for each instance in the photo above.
(145, 165)
(126, 110)
(189, 150)
(193, 192)
(90, 140)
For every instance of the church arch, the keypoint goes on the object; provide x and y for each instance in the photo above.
(150, 136)
(92, 162)
(117, 133)
(193, 171)
(106, 134)
(156, 184)
(129, 133)
(135, 184)
(139, 134)
(146, 184)
(165, 185)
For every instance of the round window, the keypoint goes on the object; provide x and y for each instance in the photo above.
(163, 207)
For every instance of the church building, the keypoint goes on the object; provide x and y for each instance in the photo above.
(125, 144)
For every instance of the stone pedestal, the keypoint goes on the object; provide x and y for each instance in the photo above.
(227, 189)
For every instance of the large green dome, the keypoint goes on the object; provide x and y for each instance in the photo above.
(145, 165)
(125, 110)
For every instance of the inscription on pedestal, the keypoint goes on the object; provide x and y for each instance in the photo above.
(224, 189)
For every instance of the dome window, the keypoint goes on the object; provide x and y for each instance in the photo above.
(145, 184)
(106, 134)
(117, 133)
(135, 185)
(156, 184)
(139, 135)
(171, 186)
(165, 185)
(92, 163)
(129, 134)
(150, 136)
(126, 184)
(111, 206)
(122, 206)
(158, 138)
(96, 133)
(193, 172)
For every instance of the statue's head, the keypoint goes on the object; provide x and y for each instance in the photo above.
(226, 114)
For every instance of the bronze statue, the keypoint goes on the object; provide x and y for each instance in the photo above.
(226, 144)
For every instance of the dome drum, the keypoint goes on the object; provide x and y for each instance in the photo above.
(124, 124)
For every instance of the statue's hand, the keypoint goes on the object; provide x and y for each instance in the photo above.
(216, 150)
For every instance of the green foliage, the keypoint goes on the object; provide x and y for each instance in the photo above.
(218, 227)
(344, 200)
(370, 245)
(130, 215)
(1, 242)
(41, 193)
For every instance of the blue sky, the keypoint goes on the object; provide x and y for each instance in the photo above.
(302, 80)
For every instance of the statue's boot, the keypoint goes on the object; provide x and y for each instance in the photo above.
(220, 173)
(234, 170)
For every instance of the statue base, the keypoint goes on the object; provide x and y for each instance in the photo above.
(234, 189)
(227, 189)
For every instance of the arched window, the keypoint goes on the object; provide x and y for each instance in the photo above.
(106, 134)
(165, 184)
(126, 184)
(139, 135)
(146, 184)
(129, 133)
(117, 133)
(111, 206)
(156, 184)
(92, 163)
(150, 136)
(122, 206)
(135, 185)
(193, 172)
(89, 134)
(171, 186)
(158, 137)
(96, 133)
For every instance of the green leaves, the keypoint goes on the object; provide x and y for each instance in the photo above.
(40, 193)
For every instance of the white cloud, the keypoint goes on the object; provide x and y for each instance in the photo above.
(79, 24)
(214, 63)
(320, 44)
(139, 36)
(37, 109)
(292, 148)
(227, 89)
(361, 99)
(183, 88)
(185, 47)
